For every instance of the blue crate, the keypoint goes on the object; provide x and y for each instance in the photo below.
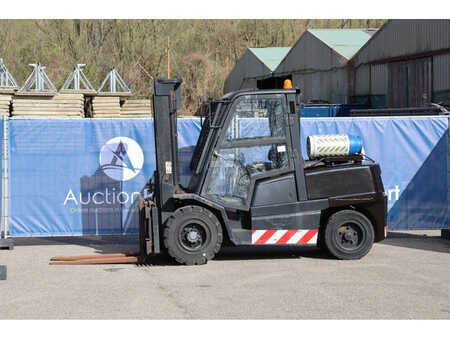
(328, 110)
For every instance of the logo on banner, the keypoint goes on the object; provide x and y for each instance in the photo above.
(121, 158)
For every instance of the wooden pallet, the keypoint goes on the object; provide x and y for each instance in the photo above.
(59, 105)
(136, 109)
(5, 103)
(105, 106)
(5, 90)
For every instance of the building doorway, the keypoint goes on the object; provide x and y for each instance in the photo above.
(409, 83)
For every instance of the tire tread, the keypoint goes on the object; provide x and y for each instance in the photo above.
(189, 259)
(335, 220)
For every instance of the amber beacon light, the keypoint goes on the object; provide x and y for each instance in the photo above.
(287, 84)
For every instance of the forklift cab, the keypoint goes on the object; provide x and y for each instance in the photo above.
(252, 163)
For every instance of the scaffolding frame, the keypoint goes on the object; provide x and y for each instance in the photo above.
(38, 81)
(116, 84)
(6, 79)
(78, 79)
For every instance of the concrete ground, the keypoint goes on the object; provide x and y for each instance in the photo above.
(405, 276)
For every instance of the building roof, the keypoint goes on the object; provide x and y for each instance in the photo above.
(398, 39)
(270, 56)
(344, 41)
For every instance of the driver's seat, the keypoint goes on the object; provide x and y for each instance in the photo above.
(278, 159)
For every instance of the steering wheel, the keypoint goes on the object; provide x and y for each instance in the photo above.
(244, 178)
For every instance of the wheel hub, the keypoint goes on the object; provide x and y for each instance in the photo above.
(193, 236)
(348, 236)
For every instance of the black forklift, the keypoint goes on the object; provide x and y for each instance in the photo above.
(250, 184)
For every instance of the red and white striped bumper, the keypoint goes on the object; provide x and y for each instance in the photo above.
(284, 236)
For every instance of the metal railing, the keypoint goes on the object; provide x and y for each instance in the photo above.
(435, 109)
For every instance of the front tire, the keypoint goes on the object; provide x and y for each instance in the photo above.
(193, 235)
(348, 235)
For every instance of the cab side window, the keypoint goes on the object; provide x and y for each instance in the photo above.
(254, 143)
(255, 117)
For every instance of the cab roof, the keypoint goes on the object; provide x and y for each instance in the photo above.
(255, 91)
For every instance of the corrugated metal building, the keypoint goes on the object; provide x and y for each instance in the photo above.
(254, 68)
(317, 62)
(406, 63)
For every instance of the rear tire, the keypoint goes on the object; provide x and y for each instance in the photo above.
(192, 235)
(348, 235)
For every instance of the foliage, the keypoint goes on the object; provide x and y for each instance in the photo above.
(202, 51)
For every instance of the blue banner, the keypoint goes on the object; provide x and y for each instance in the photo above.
(75, 177)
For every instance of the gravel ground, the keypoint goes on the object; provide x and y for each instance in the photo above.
(405, 276)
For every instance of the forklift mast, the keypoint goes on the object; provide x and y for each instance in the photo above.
(166, 102)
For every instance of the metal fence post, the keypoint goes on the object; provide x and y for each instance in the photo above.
(445, 233)
(5, 242)
(2, 225)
